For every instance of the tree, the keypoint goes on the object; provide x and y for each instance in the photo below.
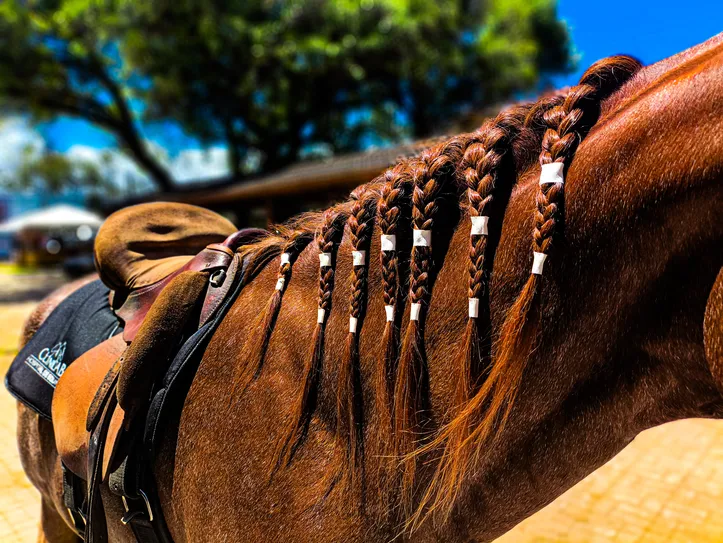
(49, 172)
(274, 79)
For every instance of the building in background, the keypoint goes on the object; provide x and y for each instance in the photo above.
(17, 203)
(50, 236)
(276, 197)
(304, 186)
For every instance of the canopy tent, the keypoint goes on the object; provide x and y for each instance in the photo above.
(53, 217)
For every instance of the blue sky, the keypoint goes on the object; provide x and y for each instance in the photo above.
(648, 30)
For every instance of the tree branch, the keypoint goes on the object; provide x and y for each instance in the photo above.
(234, 154)
(126, 128)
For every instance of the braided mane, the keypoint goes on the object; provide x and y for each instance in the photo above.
(406, 203)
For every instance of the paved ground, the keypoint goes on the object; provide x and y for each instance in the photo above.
(18, 288)
(667, 486)
(19, 501)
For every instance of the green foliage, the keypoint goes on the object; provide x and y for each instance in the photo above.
(275, 79)
(53, 173)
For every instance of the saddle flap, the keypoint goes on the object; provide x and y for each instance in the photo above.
(150, 351)
(72, 401)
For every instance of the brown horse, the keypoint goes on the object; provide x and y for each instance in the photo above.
(336, 404)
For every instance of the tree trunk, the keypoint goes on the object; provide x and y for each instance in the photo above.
(160, 176)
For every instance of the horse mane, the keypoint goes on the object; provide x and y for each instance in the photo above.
(410, 198)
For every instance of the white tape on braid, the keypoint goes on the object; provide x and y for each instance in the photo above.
(552, 173)
(280, 283)
(389, 242)
(538, 262)
(320, 315)
(479, 226)
(285, 258)
(414, 312)
(473, 308)
(359, 258)
(389, 309)
(324, 260)
(352, 325)
(422, 238)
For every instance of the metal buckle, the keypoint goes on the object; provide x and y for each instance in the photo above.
(73, 514)
(217, 278)
(130, 515)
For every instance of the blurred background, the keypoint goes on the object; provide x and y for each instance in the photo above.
(261, 109)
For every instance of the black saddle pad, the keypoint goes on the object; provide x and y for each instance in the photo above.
(79, 323)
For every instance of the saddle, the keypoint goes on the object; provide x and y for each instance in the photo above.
(170, 268)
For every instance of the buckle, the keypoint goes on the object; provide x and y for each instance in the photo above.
(79, 520)
(130, 515)
(217, 278)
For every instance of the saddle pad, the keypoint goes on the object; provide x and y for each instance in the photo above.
(79, 323)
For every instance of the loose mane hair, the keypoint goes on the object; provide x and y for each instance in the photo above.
(410, 203)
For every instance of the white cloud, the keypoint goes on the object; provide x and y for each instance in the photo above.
(17, 138)
(194, 164)
(113, 164)
(187, 165)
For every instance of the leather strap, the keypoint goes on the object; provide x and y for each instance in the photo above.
(219, 285)
(144, 530)
(146, 524)
(73, 499)
(142, 510)
(125, 481)
(97, 530)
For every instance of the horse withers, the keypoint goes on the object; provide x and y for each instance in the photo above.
(403, 366)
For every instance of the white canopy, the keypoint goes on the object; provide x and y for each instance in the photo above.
(58, 216)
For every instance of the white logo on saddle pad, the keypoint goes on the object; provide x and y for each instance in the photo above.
(49, 363)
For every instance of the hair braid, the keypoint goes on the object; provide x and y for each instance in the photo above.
(486, 413)
(391, 207)
(481, 167)
(258, 343)
(327, 241)
(429, 174)
(348, 398)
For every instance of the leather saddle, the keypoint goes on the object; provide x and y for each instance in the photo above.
(169, 266)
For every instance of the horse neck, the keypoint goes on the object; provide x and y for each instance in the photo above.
(620, 347)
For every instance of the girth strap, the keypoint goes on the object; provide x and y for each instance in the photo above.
(141, 515)
(73, 499)
(133, 482)
(97, 530)
(143, 529)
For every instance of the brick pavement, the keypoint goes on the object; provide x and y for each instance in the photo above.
(19, 501)
(667, 486)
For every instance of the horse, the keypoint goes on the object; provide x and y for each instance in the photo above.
(403, 367)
